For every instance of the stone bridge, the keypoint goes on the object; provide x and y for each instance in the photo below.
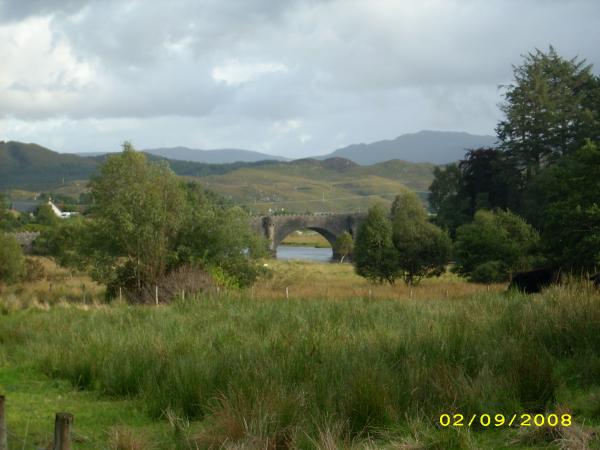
(330, 226)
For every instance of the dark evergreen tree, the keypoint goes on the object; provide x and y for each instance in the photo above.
(549, 111)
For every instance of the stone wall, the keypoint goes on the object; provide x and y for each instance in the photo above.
(26, 239)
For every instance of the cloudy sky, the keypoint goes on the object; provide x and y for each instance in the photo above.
(288, 77)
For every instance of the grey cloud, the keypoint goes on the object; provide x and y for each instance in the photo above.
(356, 70)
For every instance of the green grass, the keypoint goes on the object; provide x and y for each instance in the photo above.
(320, 373)
(306, 238)
(33, 399)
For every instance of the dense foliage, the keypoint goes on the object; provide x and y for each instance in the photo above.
(495, 245)
(146, 223)
(404, 246)
(546, 166)
(343, 245)
(375, 257)
(571, 215)
(423, 249)
(12, 263)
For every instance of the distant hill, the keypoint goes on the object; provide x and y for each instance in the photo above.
(219, 156)
(437, 147)
(32, 166)
(333, 184)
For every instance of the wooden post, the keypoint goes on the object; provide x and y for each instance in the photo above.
(3, 432)
(156, 294)
(62, 431)
(369, 294)
(120, 294)
(183, 294)
(287, 293)
(411, 294)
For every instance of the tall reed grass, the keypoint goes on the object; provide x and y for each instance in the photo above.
(299, 373)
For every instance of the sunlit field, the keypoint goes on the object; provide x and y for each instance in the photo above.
(339, 363)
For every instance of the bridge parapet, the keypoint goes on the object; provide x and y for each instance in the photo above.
(330, 225)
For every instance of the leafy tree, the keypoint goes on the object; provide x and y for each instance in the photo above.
(3, 212)
(488, 180)
(137, 213)
(46, 216)
(548, 110)
(343, 245)
(12, 262)
(375, 257)
(66, 243)
(423, 249)
(447, 199)
(218, 236)
(484, 179)
(571, 215)
(494, 245)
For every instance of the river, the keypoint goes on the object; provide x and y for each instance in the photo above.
(304, 253)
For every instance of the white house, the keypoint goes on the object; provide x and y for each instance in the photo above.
(59, 213)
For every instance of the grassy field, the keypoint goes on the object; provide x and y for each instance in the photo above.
(309, 185)
(338, 364)
(299, 186)
(306, 238)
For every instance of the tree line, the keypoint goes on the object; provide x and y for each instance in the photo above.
(532, 201)
(145, 224)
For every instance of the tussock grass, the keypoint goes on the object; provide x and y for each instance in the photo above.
(331, 367)
(125, 438)
(58, 286)
(315, 373)
(308, 280)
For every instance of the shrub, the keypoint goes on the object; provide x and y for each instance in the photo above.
(489, 272)
(375, 257)
(11, 259)
(33, 270)
(498, 237)
(423, 248)
(184, 280)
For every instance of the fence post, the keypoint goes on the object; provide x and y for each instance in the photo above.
(156, 294)
(120, 294)
(3, 431)
(287, 293)
(62, 431)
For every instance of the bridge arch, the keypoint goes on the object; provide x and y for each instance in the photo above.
(330, 226)
(284, 232)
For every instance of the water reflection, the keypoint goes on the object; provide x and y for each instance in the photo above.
(304, 253)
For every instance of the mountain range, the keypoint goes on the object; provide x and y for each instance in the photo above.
(219, 156)
(333, 184)
(437, 147)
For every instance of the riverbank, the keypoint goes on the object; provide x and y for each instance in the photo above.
(306, 239)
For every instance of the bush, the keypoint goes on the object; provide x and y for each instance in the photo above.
(375, 257)
(423, 248)
(12, 261)
(184, 280)
(33, 270)
(489, 272)
(498, 237)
